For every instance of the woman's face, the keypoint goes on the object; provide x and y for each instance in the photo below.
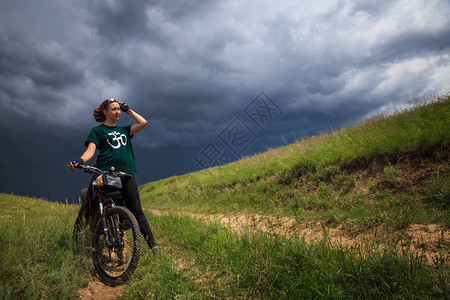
(113, 112)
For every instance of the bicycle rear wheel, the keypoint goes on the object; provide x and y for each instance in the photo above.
(116, 261)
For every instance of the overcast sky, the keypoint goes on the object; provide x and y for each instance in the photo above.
(217, 79)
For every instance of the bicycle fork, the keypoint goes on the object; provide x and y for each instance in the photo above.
(105, 226)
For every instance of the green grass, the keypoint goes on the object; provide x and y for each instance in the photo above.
(220, 263)
(424, 125)
(38, 257)
(309, 179)
(205, 260)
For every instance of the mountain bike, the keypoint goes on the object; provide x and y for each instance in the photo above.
(116, 244)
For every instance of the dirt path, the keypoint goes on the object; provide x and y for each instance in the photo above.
(428, 239)
(97, 290)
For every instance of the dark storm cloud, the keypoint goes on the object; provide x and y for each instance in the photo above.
(41, 63)
(122, 21)
(370, 7)
(415, 43)
(191, 67)
(119, 21)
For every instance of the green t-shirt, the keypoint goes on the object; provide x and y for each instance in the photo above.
(114, 148)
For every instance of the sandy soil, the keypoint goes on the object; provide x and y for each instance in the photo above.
(97, 290)
(427, 239)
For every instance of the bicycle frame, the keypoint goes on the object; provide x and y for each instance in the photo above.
(103, 199)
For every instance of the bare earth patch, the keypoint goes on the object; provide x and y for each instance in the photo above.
(428, 239)
(98, 290)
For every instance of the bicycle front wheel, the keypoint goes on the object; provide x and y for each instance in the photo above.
(116, 259)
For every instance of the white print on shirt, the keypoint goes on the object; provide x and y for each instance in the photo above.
(121, 139)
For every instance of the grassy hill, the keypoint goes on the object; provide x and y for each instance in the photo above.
(382, 177)
(376, 180)
(391, 168)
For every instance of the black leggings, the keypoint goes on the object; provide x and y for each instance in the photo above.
(130, 194)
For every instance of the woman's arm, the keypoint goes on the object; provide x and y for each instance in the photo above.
(140, 122)
(87, 155)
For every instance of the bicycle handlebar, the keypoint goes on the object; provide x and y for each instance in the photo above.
(92, 170)
(89, 169)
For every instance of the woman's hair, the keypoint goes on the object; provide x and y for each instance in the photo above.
(98, 114)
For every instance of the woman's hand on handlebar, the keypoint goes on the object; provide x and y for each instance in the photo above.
(75, 164)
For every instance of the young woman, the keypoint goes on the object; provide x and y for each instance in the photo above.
(114, 147)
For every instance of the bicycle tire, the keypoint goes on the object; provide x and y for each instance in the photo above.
(114, 264)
